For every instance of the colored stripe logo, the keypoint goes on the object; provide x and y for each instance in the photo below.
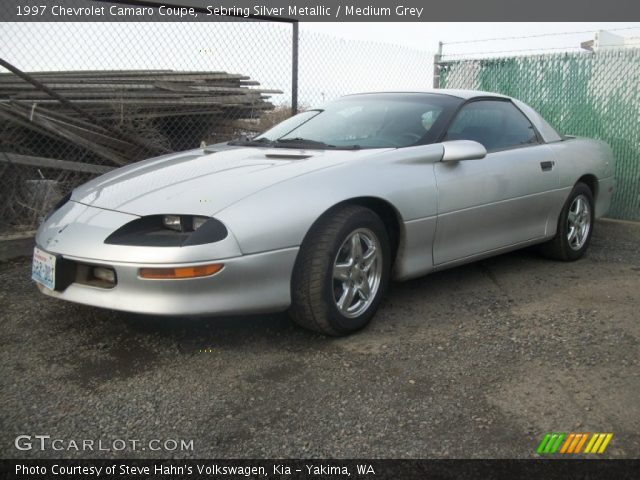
(573, 443)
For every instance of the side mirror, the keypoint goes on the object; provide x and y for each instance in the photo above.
(456, 150)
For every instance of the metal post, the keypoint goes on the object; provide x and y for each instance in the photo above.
(294, 70)
(436, 66)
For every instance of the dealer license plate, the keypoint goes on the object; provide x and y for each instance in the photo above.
(43, 268)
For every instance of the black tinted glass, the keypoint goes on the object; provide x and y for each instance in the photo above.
(493, 123)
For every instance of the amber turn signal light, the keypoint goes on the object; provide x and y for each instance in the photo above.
(182, 272)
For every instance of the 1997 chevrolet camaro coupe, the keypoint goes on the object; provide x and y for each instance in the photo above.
(319, 213)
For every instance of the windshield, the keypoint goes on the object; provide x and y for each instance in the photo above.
(366, 121)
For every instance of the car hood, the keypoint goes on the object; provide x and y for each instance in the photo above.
(203, 182)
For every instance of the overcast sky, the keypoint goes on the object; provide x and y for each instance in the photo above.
(426, 35)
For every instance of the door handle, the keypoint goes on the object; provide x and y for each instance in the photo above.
(547, 166)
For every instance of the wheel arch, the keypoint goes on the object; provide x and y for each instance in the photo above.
(590, 181)
(390, 216)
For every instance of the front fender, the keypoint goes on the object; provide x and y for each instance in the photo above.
(281, 215)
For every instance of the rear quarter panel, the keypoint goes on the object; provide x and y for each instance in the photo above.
(577, 157)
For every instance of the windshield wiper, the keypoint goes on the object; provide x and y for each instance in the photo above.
(297, 142)
(306, 142)
(260, 142)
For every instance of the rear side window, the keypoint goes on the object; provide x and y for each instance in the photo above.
(495, 124)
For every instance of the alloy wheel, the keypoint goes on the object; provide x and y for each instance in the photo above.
(357, 272)
(578, 222)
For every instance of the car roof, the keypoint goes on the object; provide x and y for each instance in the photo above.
(453, 92)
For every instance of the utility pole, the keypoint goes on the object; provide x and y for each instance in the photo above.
(436, 66)
(294, 68)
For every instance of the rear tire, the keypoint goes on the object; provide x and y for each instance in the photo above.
(341, 272)
(575, 226)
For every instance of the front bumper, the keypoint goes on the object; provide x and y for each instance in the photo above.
(255, 283)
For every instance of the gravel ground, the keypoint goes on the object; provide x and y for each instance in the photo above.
(478, 361)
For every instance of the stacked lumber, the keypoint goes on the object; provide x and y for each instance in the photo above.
(123, 115)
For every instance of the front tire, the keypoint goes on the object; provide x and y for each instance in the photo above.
(342, 272)
(575, 226)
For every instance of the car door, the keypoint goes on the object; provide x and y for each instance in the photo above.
(499, 201)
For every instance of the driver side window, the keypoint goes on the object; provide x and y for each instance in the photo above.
(496, 124)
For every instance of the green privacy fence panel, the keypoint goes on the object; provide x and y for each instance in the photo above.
(594, 95)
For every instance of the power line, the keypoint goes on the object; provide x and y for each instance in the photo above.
(508, 51)
(538, 35)
(539, 49)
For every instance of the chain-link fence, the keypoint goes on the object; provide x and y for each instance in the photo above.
(94, 96)
(587, 94)
(78, 99)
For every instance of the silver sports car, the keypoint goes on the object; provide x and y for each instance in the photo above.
(319, 213)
